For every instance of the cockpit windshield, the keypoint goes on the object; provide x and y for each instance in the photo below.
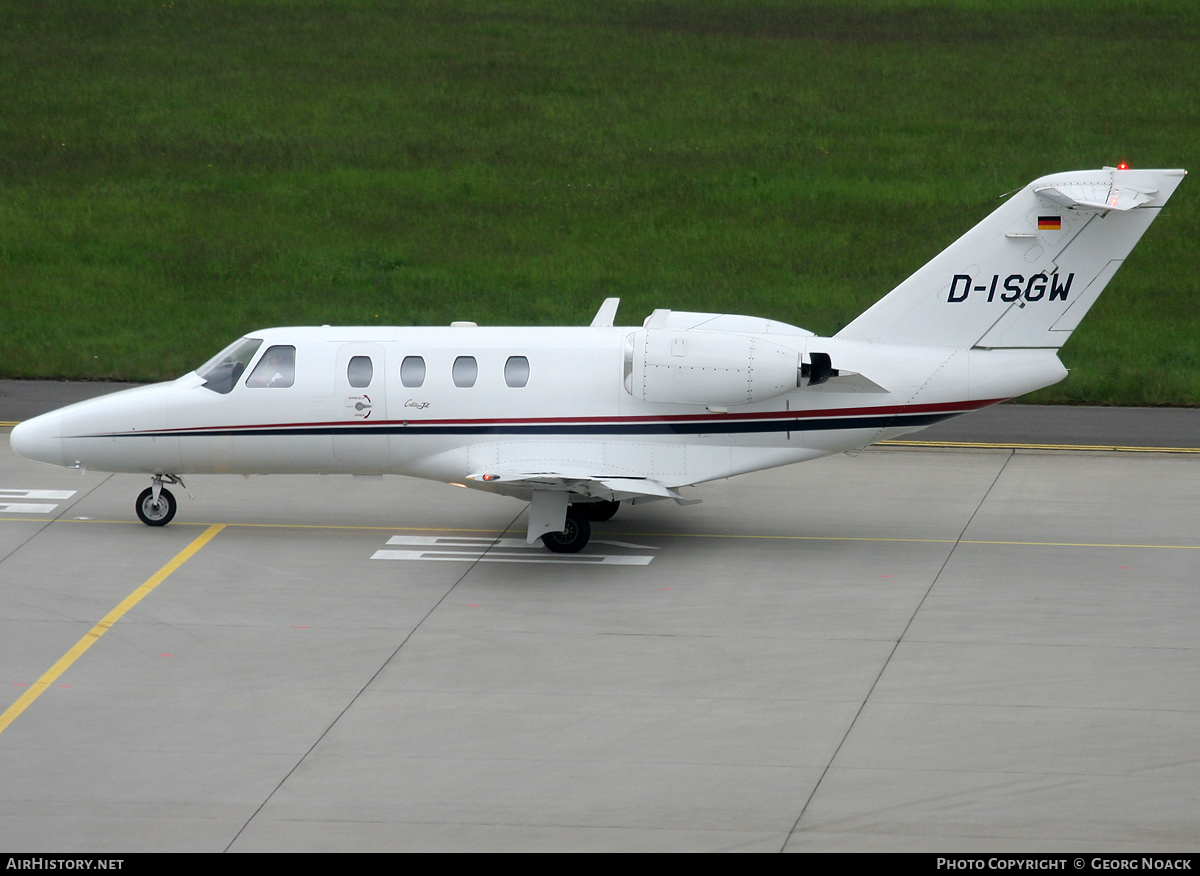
(222, 371)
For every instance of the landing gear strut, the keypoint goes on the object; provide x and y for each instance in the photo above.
(156, 506)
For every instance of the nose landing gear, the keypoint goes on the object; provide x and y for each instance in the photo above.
(155, 505)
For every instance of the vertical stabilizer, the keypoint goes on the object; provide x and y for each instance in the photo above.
(1026, 275)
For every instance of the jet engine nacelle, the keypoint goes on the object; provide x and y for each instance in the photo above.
(707, 367)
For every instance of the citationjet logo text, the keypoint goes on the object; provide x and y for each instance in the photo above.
(1015, 287)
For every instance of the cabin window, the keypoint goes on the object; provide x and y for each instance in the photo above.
(465, 371)
(412, 371)
(359, 371)
(276, 368)
(516, 371)
(222, 372)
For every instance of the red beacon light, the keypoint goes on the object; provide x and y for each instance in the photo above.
(1122, 166)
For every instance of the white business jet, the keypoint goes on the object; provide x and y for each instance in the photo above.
(578, 420)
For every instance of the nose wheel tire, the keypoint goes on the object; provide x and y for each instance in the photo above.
(154, 513)
(572, 539)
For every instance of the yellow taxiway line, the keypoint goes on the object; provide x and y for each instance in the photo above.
(494, 533)
(64, 663)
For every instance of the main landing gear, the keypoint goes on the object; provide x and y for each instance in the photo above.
(155, 505)
(572, 539)
(578, 527)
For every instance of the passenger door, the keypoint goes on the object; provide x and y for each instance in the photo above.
(360, 402)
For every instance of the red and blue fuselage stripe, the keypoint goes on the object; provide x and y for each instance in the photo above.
(881, 417)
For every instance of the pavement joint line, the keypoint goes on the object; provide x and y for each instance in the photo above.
(887, 661)
(354, 699)
(93, 635)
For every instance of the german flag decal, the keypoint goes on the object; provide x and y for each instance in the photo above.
(1049, 223)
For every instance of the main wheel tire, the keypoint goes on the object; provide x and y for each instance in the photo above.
(572, 539)
(154, 513)
(600, 511)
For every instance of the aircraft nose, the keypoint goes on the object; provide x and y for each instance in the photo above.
(39, 439)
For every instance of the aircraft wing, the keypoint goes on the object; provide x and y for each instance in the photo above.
(522, 483)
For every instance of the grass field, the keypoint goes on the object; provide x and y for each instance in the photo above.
(173, 175)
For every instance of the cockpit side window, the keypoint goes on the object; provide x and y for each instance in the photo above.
(276, 368)
(222, 372)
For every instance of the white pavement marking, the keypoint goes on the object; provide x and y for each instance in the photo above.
(456, 541)
(638, 547)
(9, 506)
(498, 550)
(538, 558)
(35, 494)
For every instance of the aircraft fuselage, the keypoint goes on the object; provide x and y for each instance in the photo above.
(470, 409)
